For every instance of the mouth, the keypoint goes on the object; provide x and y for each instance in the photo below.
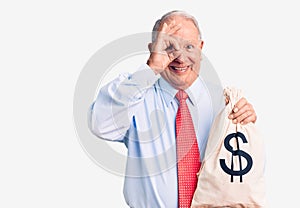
(179, 69)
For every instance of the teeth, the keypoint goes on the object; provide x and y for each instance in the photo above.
(180, 69)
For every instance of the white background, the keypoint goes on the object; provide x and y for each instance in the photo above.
(44, 45)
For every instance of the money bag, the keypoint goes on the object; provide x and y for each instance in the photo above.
(232, 170)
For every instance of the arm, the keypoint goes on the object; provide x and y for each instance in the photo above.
(111, 114)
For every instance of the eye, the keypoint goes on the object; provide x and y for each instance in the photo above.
(190, 47)
(170, 48)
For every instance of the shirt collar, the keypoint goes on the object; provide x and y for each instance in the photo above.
(194, 91)
(167, 90)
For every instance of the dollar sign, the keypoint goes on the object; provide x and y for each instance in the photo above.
(238, 153)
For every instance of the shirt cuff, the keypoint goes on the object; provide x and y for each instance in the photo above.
(145, 76)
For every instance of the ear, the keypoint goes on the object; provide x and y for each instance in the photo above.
(200, 47)
(150, 47)
(201, 44)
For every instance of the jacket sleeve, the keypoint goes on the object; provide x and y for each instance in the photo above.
(111, 113)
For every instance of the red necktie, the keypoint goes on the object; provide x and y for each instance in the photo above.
(188, 156)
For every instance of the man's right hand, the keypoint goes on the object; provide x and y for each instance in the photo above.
(163, 49)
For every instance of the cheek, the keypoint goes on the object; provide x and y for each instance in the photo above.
(195, 57)
(196, 60)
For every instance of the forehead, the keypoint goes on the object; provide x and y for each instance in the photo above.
(188, 30)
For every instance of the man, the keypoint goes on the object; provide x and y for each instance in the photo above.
(140, 110)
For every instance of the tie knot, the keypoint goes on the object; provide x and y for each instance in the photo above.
(181, 95)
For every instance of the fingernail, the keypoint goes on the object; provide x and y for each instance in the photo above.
(230, 116)
(235, 110)
(242, 123)
(234, 121)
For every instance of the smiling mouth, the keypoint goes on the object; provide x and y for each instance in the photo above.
(180, 69)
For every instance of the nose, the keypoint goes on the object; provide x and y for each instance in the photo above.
(180, 57)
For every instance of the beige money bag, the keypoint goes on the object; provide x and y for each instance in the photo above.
(232, 171)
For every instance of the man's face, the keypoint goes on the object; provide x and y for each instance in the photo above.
(184, 69)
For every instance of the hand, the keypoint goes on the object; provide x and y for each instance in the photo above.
(164, 47)
(243, 112)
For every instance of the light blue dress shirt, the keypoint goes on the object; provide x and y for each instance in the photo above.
(139, 110)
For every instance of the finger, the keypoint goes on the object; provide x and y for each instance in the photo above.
(226, 100)
(164, 28)
(175, 43)
(240, 111)
(239, 104)
(172, 56)
(175, 53)
(242, 117)
(172, 23)
(174, 29)
(248, 116)
(248, 119)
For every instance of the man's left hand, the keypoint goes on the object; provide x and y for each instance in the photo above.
(243, 112)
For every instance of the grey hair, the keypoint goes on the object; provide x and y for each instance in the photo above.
(169, 15)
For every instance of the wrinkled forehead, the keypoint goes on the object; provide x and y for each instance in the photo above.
(188, 30)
